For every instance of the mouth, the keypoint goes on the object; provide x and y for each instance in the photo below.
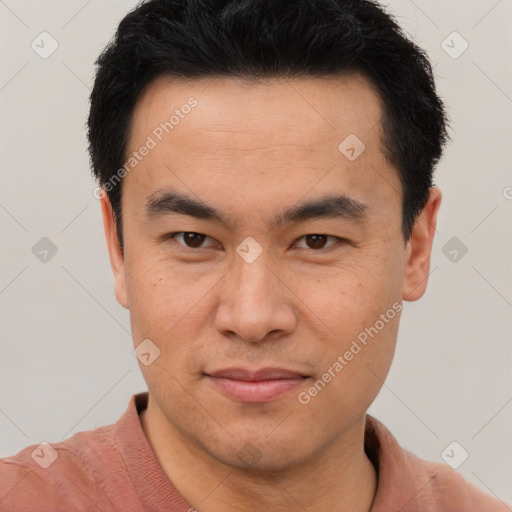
(253, 386)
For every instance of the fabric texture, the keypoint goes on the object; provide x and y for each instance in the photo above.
(113, 468)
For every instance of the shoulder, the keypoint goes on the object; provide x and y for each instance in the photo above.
(16, 479)
(411, 484)
(448, 489)
(57, 476)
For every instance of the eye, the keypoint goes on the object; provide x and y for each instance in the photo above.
(193, 240)
(190, 239)
(317, 242)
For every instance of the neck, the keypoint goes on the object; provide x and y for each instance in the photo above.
(340, 478)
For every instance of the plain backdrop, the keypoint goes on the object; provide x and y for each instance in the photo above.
(66, 360)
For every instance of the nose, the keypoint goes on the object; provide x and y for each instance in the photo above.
(255, 303)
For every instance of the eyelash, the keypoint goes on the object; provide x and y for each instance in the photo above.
(171, 236)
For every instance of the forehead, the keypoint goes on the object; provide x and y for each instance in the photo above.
(306, 110)
(250, 136)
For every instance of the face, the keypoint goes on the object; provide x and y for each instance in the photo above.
(264, 261)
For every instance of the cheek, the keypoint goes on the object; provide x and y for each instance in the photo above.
(355, 365)
(351, 295)
(356, 313)
(171, 308)
(162, 294)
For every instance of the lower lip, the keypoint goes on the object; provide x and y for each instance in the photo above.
(255, 391)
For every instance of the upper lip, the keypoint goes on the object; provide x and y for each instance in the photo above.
(256, 375)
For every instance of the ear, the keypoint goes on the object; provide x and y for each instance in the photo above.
(419, 248)
(114, 250)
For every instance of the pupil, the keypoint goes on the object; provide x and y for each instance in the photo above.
(193, 238)
(318, 241)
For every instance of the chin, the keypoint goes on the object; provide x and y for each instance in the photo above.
(260, 455)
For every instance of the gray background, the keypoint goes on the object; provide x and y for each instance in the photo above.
(66, 351)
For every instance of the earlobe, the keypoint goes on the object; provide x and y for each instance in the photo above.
(115, 254)
(419, 248)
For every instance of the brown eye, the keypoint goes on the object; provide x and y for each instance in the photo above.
(317, 242)
(189, 239)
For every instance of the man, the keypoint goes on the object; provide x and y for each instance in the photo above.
(267, 197)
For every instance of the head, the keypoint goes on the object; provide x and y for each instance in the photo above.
(268, 202)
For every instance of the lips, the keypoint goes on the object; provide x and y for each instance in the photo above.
(256, 375)
(262, 385)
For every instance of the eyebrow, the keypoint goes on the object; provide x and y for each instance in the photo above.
(329, 207)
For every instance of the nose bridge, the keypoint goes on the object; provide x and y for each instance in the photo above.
(254, 304)
(254, 284)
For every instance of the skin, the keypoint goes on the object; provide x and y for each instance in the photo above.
(252, 149)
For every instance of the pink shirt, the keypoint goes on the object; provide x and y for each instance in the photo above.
(113, 468)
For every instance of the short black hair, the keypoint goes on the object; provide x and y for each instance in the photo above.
(271, 38)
